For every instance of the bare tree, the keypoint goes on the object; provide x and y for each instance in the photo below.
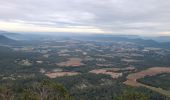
(6, 93)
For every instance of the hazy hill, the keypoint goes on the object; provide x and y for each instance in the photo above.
(4, 39)
(163, 39)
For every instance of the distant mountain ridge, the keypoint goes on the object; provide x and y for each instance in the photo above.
(4, 39)
(162, 39)
(160, 42)
(35, 36)
(15, 36)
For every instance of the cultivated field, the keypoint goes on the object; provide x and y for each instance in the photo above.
(107, 72)
(60, 74)
(71, 62)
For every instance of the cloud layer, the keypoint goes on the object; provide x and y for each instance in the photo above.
(140, 17)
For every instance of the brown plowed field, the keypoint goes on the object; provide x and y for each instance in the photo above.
(71, 62)
(107, 72)
(60, 74)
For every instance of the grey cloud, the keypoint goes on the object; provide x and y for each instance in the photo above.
(143, 16)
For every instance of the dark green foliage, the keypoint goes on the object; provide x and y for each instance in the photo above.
(28, 95)
(44, 90)
(159, 81)
(132, 95)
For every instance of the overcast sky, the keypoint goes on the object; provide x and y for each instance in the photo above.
(135, 17)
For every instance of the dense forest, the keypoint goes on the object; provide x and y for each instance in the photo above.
(159, 81)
